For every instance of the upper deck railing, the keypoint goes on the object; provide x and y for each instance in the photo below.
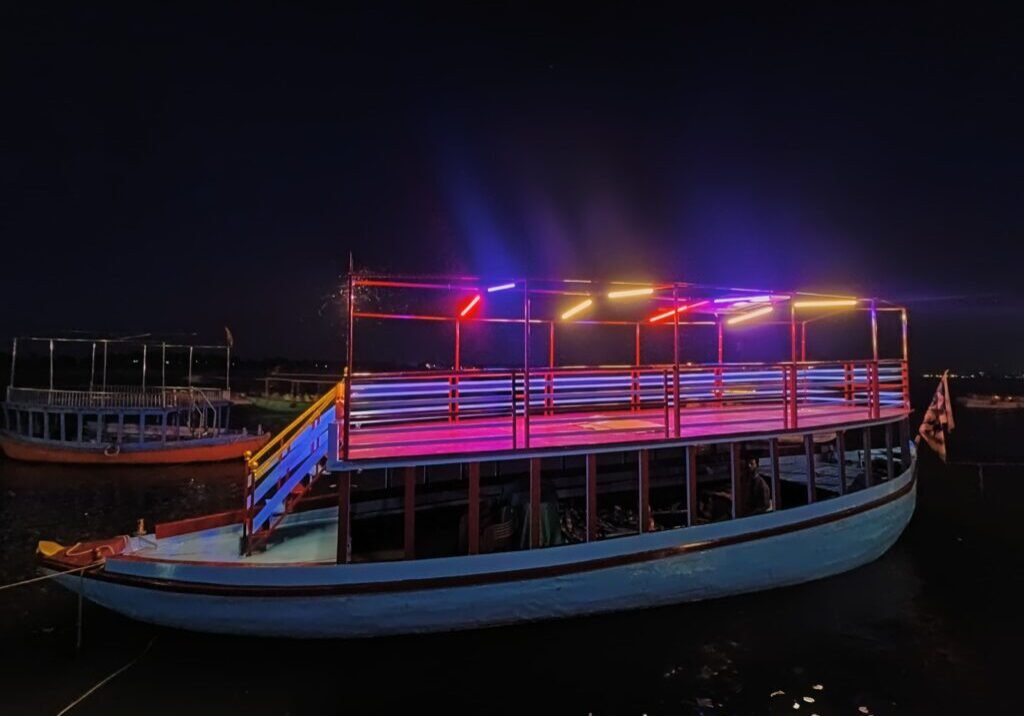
(116, 397)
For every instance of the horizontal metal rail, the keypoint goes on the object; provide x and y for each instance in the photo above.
(115, 397)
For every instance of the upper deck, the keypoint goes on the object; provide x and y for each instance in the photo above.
(530, 403)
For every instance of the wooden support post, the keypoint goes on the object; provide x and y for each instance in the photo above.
(473, 516)
(809, 450)
(591, 497)
(644, 496)
(535, 468)
(841, 457)
(890, 462)
(736, 478)
(691, 484)
(409, 512)
(773, 458)
(344, 552)
(869, 479)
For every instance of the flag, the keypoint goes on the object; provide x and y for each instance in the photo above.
(228, 337)
(938, 419)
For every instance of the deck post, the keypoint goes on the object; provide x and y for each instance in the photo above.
(92, 367)
(143, 367)
(869, 478)
(841, 459)
(344, 553)
(535, 471)
(549, 403)
(591, 470)
(735, 478)
(675, 360)
(635, 383)
(890, 462)
(473, 515)
(803, 341)
(105, 367)
(690, 455)
(773, 458)
(874, 330)
(644, 497)
(453, 394)
(349, 357)
(904, 444)
(14, 360)
(51, 364)
(409, 511)
(809, 450)
(163, 372)
(526, 364)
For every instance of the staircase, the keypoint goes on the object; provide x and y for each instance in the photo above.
(284, 470)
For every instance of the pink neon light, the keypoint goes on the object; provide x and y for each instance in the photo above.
(666, 314)
(469, 306)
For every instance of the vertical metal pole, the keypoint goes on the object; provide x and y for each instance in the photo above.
(675, 360)
(409, 511)
(454, 412)
(551, 365)
(803, 341)
(792, 333)
(143, 367)
(735, 476)
(92, 368)
(105, 366)
(721, 342)
(514, 416)
(903, 326)
(227, 369)
(344, 553)
(163, 368)
(809, 450)
(591, 471)
(14, 359)
(841, 459)
(526, 364)
(51, 364)
(535, 471)
(349, 359)
(635, 384)
(690, 455)
(773, 458)
(644, 488)
(473, 516)
(874, 330)
(190, 366)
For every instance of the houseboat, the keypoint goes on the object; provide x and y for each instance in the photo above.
(515, 483)
(96, 422)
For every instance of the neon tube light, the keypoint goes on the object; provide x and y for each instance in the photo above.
(501, 287)
(827, 303)
(631, 292)
(577, 308)
(749, 299)
(750, 314)
(666, 314)
(469, 306)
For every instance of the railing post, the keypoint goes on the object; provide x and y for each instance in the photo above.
(785, 398)
(514, 420)
(905, 383)
(664, 383)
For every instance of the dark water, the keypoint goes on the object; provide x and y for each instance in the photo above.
(934, 626)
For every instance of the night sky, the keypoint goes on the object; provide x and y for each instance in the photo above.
(176, 168)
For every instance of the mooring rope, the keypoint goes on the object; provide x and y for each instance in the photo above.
(44, 577)
(123, 669)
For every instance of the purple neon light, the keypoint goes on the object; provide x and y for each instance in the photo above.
(750, 299)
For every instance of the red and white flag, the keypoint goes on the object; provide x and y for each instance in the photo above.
(938, 419)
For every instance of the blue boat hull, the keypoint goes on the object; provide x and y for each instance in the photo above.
(755, 553)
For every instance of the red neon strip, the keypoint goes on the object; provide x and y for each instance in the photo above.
(666, 314)
(469, 306)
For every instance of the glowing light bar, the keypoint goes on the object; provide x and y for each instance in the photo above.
(763, 311)
(826, 303)
(577, 308)
(747, 299)
(666, 314)
(501, 287)
(631, 292)
(469, 306)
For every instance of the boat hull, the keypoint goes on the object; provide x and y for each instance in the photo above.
(761, 552)
(177, 452)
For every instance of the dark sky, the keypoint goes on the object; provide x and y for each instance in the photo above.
(175, 167)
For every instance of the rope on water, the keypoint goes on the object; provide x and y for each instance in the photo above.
(120, 671)
(44, 577)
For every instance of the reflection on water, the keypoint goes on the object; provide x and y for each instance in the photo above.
(932, 627)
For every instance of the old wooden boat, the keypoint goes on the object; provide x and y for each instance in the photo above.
(101, 423)
(455, 498)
